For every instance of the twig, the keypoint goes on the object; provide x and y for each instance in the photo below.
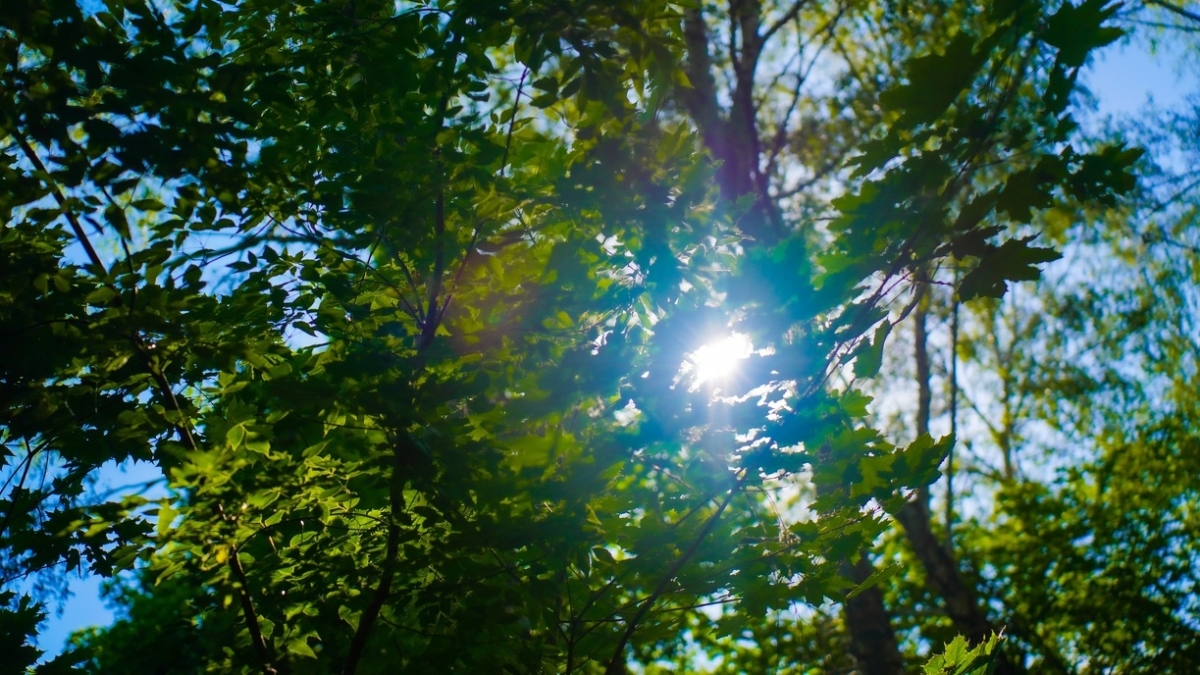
(953, 422)
(782, 21)
(61, 199)
(1176, 9)
(512, 123)
(383, 591)
(168, 395)
(247, 603)
(28, 461)
(616, 663)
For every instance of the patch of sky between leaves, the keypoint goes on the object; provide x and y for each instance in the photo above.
(1127, 76)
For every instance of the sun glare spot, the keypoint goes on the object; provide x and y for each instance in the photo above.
(716, 361)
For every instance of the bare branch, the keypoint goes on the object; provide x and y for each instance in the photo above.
(783, 21)
(1175, 9)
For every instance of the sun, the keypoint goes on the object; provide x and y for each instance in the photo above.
(716, 361)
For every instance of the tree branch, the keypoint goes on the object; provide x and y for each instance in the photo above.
(1175, 9)
(616, 665)
(782, 21)
(247, 603)
(941, 570)
(701, 97)
(512, 123)
(872, 640)
(953, 422)
(383, 591)
(59, 197)
(432, 315)
(12, 508)
(164, 387)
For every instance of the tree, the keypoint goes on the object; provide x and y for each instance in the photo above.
(1070, 524)
(1096, 389)
(398, 296)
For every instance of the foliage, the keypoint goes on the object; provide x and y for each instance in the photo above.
(1071, 514)
(397, 297)
(1108, 530)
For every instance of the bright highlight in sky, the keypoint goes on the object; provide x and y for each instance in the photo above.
(716, 361)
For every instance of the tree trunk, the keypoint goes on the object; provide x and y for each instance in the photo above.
(941, 571)
(732, 136)
(871, 638)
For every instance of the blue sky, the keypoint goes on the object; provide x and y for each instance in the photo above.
(1124, 78)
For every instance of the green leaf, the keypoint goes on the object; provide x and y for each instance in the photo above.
(166, 517)
(1078, 29)
(299, 647)
(1014, 260)
(934, 82)
(958, 658)
(102, 296)
(236, 436)
(877, 577)
(870, 357)
(350, 616)
(546, 84)
(544, 100)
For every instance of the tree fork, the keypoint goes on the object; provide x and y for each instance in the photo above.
(732, 140)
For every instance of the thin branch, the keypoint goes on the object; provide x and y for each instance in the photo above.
(512, 123)
(28, 461)
(801, 77)
(953, 422)
(408, 307)
(247, 603)
(383, 591)
(1168, 26)
(235, 564)
(164, 387)
(782, 21)
(616, 663)
(420, 308)
(61, 199)
(1176, 9)
(432, 314)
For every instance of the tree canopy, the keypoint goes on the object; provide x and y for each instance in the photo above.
(408, 303)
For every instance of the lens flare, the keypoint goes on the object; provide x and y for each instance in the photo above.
(716, 361)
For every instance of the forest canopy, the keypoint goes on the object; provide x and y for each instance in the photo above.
(594, 337)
